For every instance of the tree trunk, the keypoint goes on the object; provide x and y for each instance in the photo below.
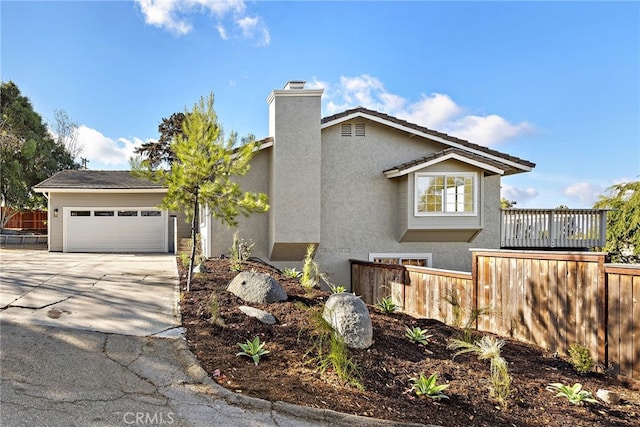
(194, 231)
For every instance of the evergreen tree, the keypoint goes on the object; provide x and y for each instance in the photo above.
(623, 221)
(203, 171)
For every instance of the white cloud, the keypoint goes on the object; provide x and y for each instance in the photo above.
(486, 130)
(437, 111)
(583, 192)
(254, 28)
(519, 195)
(103, 152)
(174, 16)
(222, 31)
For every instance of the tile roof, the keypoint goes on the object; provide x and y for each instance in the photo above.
(95, 179)
(443, 136)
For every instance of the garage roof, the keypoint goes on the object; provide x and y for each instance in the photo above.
(84, 180)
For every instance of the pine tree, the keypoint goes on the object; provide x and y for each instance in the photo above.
(204, 170)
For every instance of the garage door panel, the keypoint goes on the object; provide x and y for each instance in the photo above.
(115, 233)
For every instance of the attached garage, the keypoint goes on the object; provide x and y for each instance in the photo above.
(108, 211)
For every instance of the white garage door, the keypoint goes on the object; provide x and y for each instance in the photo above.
(114, 230)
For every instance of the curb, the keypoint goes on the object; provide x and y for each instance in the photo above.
(324, 416)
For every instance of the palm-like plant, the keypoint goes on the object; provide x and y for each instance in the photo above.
(428, 387)
(574, 394)
(253, 349)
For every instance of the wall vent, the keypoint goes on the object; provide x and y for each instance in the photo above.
(359, 129)
(346, 130)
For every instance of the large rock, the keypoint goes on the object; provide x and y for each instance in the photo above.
(349, 316)
(261, 315)
(257, 288)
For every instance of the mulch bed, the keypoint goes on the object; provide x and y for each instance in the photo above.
(290, 374)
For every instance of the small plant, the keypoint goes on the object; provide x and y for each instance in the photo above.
(386, 305)
(574, 394)
(417, 335)
(428, 387)
(488, 348)
(580, 358)
(253, 349)
(214, 309)
(332, 352)
(454, 300)
(239, 251)
(184, 259)
(310, 277)
(291, 273)
(336, 289)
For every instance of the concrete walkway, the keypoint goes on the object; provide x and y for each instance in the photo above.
(94, 340)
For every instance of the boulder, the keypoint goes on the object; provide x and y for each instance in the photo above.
(349, 316)
(257, 288)
(261, 315)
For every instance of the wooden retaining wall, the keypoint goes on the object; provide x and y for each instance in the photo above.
(551, 299)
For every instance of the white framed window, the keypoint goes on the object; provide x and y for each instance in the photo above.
(417, 259)
(445, 194)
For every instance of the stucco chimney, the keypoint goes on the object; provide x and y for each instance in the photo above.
(294, 124)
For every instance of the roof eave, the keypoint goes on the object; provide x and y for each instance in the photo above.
(98, 190)
(396, 172)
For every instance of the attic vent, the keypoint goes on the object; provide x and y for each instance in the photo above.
(359, 129)
(346, 130)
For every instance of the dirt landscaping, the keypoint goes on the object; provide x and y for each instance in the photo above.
(290, 371)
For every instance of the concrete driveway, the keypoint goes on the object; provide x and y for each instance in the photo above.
(94, 340)
(129, 294)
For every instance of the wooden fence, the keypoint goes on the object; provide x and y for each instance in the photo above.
(551, 299)
(28, 220)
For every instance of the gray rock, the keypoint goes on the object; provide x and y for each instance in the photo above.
(608, 396)
(261, 315)
(257, 288)
(200, 268)
(349, 316)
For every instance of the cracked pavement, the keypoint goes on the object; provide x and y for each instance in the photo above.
(95, 340)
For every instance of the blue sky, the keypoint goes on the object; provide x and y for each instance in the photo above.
(556, 83)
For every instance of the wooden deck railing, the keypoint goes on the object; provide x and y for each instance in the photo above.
(553, 228)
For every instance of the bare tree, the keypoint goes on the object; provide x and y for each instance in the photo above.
(66, 133)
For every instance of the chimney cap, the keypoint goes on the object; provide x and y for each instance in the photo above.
(294, 84)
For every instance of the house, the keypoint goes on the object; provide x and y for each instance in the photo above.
(364, 185)
(108, 211)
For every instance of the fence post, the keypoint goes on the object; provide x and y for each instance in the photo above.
(603, 321)
(474, 283)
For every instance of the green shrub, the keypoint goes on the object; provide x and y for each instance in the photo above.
(386, 305)
(580, 358)
(417, 335)
(253, 349)
(428, 387)
(337, 289)
(291, 273)
(574, 394)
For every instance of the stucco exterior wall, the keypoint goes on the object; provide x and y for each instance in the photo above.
(254, 227)
(361, 207)
(61, 200)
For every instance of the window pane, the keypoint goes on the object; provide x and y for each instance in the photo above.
(127, 213)
(430, 193)
(80, 213)
(150, 213)
(103, 213)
